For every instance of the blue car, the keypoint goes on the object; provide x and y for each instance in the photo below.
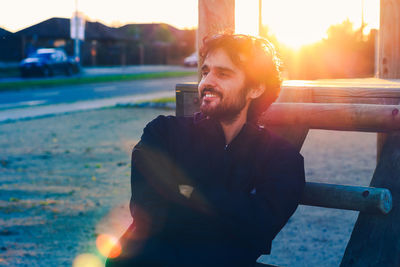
(47, 62)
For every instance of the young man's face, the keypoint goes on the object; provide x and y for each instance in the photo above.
(222, 88)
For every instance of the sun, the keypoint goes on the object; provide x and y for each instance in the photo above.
(300, 22)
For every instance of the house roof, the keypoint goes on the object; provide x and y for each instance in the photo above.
(51, 28)
(4, 32)
(60, 28)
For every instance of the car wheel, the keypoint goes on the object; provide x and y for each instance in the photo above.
(24, 74)
(68, 71)
(47, 72)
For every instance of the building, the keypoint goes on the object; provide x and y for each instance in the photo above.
(131, 44)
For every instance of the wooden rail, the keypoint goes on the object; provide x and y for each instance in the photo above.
(343, 117)
(365, 199)
(375, 240)
(349, 117)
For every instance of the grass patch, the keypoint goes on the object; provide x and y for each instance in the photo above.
(6, 86)
(9, 72)
(162, 100)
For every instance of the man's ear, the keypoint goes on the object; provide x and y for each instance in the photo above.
(256, 91)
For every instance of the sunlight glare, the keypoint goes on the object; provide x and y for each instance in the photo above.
(246, 17)
(108, 246)
(87, 260)
(296, 23)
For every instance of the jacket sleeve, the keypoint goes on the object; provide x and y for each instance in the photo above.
(257, 218)
(151, 177)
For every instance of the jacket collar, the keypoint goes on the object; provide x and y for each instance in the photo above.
(213, 128)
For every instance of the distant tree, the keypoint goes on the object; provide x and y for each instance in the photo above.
(345, 53)
(265, 32)
(163, 34)
(135, 32)
(284, 53)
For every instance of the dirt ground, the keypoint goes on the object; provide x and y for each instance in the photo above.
(64, 184)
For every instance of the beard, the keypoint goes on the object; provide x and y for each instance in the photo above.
(227, 109)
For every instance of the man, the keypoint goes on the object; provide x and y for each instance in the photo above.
(214, 189)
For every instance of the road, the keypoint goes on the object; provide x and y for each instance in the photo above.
(39, 102)
(68, 94)
(101, 71)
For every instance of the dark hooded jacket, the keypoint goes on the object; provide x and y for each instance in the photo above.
(238, 197)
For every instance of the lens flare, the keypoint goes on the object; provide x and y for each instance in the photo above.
(87, 260)
(108, 246)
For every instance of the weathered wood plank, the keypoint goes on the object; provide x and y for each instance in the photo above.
(187, 99)
(329, 93)
(365, 199)
(371, 91)
(295, 134)
(356, 100)
(375, 240)
(344, 117)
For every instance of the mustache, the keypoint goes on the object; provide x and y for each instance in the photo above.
(210, 90)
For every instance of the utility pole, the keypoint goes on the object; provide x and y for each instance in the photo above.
(76, 40)
(259, 17)
(77, 31)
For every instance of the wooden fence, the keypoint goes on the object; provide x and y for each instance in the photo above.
(368, 105)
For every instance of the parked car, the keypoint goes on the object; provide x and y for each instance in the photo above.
(48, 62)
(191, 61)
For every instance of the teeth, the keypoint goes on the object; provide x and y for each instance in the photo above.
(209, 95)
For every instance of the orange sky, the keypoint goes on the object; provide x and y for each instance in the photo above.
(298, 22)
(294, 22)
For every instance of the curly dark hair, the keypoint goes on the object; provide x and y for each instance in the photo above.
(257, 57)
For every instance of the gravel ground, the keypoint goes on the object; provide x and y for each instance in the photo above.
(64, 183)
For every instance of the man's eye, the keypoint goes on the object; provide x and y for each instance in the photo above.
(204, 73)
(223, 74)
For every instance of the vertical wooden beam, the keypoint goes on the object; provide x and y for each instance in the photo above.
(260, 25)
(388, 50)
(215, 16)
(389, 40)
(375, 240)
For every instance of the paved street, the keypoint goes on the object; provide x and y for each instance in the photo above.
(39, 102)
(96, 71)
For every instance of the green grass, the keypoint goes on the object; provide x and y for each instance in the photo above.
(9, 72)
(162, 100)
(6, 86)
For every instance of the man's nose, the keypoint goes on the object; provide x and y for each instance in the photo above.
(209, 80)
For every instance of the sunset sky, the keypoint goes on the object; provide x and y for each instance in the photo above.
(294, 22)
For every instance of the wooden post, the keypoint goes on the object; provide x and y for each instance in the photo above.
(389, 40)
(293, 133)
(388, 49)
(215, 16)
(375, 240)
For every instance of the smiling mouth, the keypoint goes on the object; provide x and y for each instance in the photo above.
(210, 95)
(207, 93)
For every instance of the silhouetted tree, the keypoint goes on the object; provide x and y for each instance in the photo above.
(345, 53)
